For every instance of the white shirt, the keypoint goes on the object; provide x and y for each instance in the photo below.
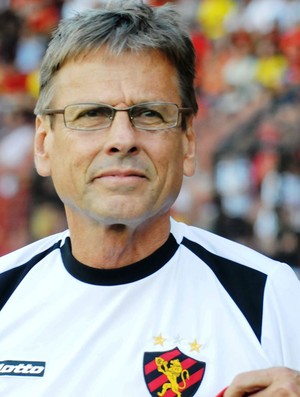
(213, 306)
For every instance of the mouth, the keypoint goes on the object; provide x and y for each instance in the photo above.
(121, 175)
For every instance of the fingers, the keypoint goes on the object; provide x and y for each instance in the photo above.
(271, 382)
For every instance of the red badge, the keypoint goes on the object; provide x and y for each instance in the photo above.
(172, 374)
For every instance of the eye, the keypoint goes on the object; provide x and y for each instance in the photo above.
(150, 114)
(88, 116)
(146, 114)
(97, 112)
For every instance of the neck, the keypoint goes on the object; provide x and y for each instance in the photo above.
(114, 246)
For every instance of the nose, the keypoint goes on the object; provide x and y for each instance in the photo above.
(122, 138)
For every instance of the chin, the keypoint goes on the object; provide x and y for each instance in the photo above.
(128, 219)
(115, 218)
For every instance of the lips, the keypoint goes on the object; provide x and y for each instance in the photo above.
(120, 173)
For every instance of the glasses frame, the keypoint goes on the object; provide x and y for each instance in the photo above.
(180, 110)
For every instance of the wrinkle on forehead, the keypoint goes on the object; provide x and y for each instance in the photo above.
(129, 77)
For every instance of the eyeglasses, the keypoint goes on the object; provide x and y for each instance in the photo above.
(96, 116)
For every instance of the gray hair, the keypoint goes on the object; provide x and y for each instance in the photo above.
(121, 26)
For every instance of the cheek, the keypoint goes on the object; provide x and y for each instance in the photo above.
(68, 166)
(73, 152)
(171, 165)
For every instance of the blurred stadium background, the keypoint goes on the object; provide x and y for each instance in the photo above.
(247, 186)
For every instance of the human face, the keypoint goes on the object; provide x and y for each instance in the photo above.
(119, 175)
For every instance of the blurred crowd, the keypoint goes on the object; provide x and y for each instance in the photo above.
(247, 185)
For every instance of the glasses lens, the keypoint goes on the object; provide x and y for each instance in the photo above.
(88, 116)
(154, 116)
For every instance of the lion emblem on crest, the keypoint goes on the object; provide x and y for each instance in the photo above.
(174, 372)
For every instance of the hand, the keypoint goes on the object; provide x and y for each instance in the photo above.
(271, 382)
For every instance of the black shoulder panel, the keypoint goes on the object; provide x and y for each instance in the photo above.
(244, 284)
(10, 279)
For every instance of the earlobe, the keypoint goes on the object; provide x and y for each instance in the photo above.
(41, 146)
(189, 164)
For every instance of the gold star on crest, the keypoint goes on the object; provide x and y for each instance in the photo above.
(195, 346)
(159, 340)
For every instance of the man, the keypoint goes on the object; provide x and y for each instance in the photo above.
(128, 302)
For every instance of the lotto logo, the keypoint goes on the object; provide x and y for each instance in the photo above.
(22, 368)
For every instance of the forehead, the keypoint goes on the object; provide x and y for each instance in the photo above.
(126, 78)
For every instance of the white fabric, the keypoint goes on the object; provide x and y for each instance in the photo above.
(93, 337)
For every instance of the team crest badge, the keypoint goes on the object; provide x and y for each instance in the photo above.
(172, 374)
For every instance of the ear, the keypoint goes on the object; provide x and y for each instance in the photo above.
(42, 140)
(189, 147)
